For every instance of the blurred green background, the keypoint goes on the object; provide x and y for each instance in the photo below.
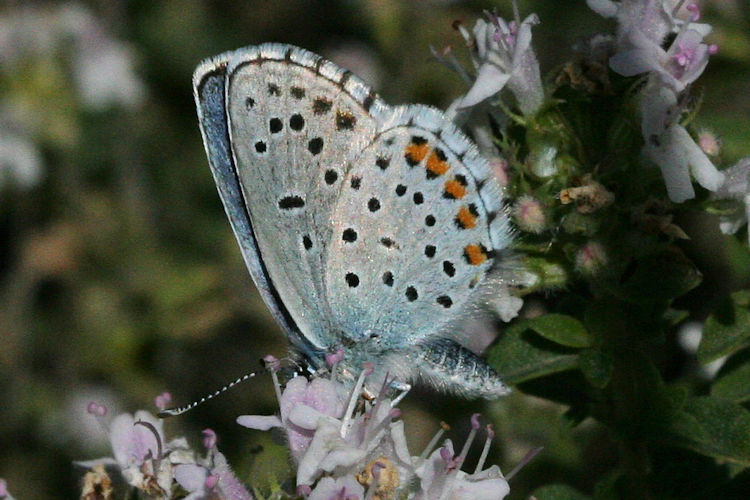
(119, 275)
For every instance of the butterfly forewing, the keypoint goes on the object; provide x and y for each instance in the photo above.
(293, 132)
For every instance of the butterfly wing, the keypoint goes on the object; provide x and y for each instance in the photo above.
(292, 122)
(209, 88)
(416, 228)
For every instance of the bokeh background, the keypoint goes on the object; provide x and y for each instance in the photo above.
(119, 275)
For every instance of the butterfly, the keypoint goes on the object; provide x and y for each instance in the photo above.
(366, 227)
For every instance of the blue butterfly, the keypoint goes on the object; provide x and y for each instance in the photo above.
(367, 228)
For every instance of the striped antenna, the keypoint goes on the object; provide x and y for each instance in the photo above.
(173, 412)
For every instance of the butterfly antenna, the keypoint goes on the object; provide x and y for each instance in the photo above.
(173, 412)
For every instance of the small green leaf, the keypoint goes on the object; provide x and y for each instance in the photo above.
(521, 355)
(733, 382)
(596, 365)
(726, 330)
(717, 428)
(558, 492)
(561, 329)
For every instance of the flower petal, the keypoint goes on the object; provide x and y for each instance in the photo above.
(259, 422)
(490, 80)
(605, 8)
(192, 477)
(673, 167)
(701, 167)
(305, 416)
(631, 62)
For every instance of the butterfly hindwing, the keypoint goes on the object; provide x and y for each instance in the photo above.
(414, 231)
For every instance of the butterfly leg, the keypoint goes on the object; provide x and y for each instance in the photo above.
(404, 389)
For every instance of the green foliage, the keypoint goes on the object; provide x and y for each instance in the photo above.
(727, 329)
(620, 281)
(558, 492)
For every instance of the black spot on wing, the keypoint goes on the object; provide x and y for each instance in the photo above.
(296, 122)
(321, 105)
(290, 202)
(315, 145)
(345, 120)
(330, 176)
(352, 280)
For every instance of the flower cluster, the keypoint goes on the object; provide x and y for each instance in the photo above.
(343, 445)
(341, 452)
(40, 45)
(662, 40)
(158, 468)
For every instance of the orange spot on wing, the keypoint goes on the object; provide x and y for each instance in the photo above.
(465, 218)
(475, 254)
(455, 189)
(437, 165)
(415, 153)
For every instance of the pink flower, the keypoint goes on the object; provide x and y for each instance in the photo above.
(302, 403)
(352, 448)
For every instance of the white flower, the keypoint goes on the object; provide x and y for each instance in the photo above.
(20, 161)
(4, 493)
(503, 56)
(643, 27)
(736, 186)
(344, 488)
(104, 74)
(506, 306)
(441, 476)
(671, 147)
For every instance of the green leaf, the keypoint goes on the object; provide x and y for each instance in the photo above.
(522, 355)
(727, 330)
(714, 427)
(596, 365)
(558, 492)
(561, 329)
(661, 277)
(733, 382)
